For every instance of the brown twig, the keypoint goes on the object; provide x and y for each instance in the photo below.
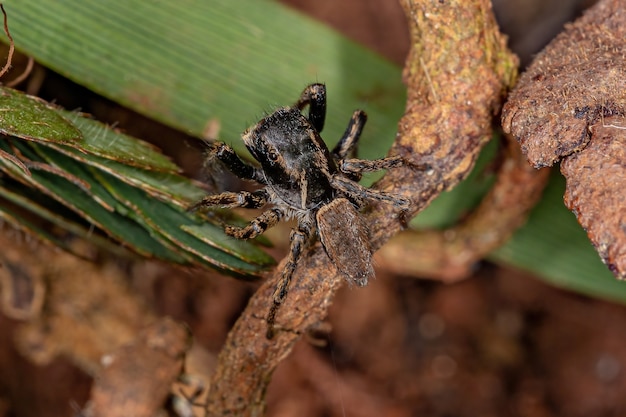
(29, 68)
(7, 66)
(470, 68)
(451, 254)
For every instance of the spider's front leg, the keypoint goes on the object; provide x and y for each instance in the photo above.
(242, 199)
(315, 97)
(358, 166)
(300, 238)
(257, 226)
(229, 157)
(347, 145)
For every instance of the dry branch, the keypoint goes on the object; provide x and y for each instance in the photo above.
(451, 254)
(457, 73)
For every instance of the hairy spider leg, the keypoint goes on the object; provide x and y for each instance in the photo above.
(299, 239)
(347, 145)
(351, 166)
(243, 170)
(359, 192)
(314, 96)
(257, 226)
(243, 199)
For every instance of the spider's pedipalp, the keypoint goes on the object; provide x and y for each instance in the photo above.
(228, 157)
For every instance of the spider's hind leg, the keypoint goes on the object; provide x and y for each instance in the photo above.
(315, 97)
(300, 237)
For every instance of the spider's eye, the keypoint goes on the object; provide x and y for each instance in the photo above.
(272, 155)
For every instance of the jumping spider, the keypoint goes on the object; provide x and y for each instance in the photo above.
(303, 179)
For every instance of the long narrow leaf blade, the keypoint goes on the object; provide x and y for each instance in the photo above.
(221, 63)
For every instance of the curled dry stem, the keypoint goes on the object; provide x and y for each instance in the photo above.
(457, 73)
(450, 254)
(7, 65)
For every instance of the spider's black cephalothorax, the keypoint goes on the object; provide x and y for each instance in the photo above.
(302, 178)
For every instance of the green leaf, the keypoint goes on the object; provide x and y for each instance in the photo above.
(122, 205)
(51, 213)
(31, 118)
(94, 189)
(207, 233)
(79, 201)
(220, 62)
(132, 161)
(15, 217)
(210, 61)
(169, 223)
(100, 140)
